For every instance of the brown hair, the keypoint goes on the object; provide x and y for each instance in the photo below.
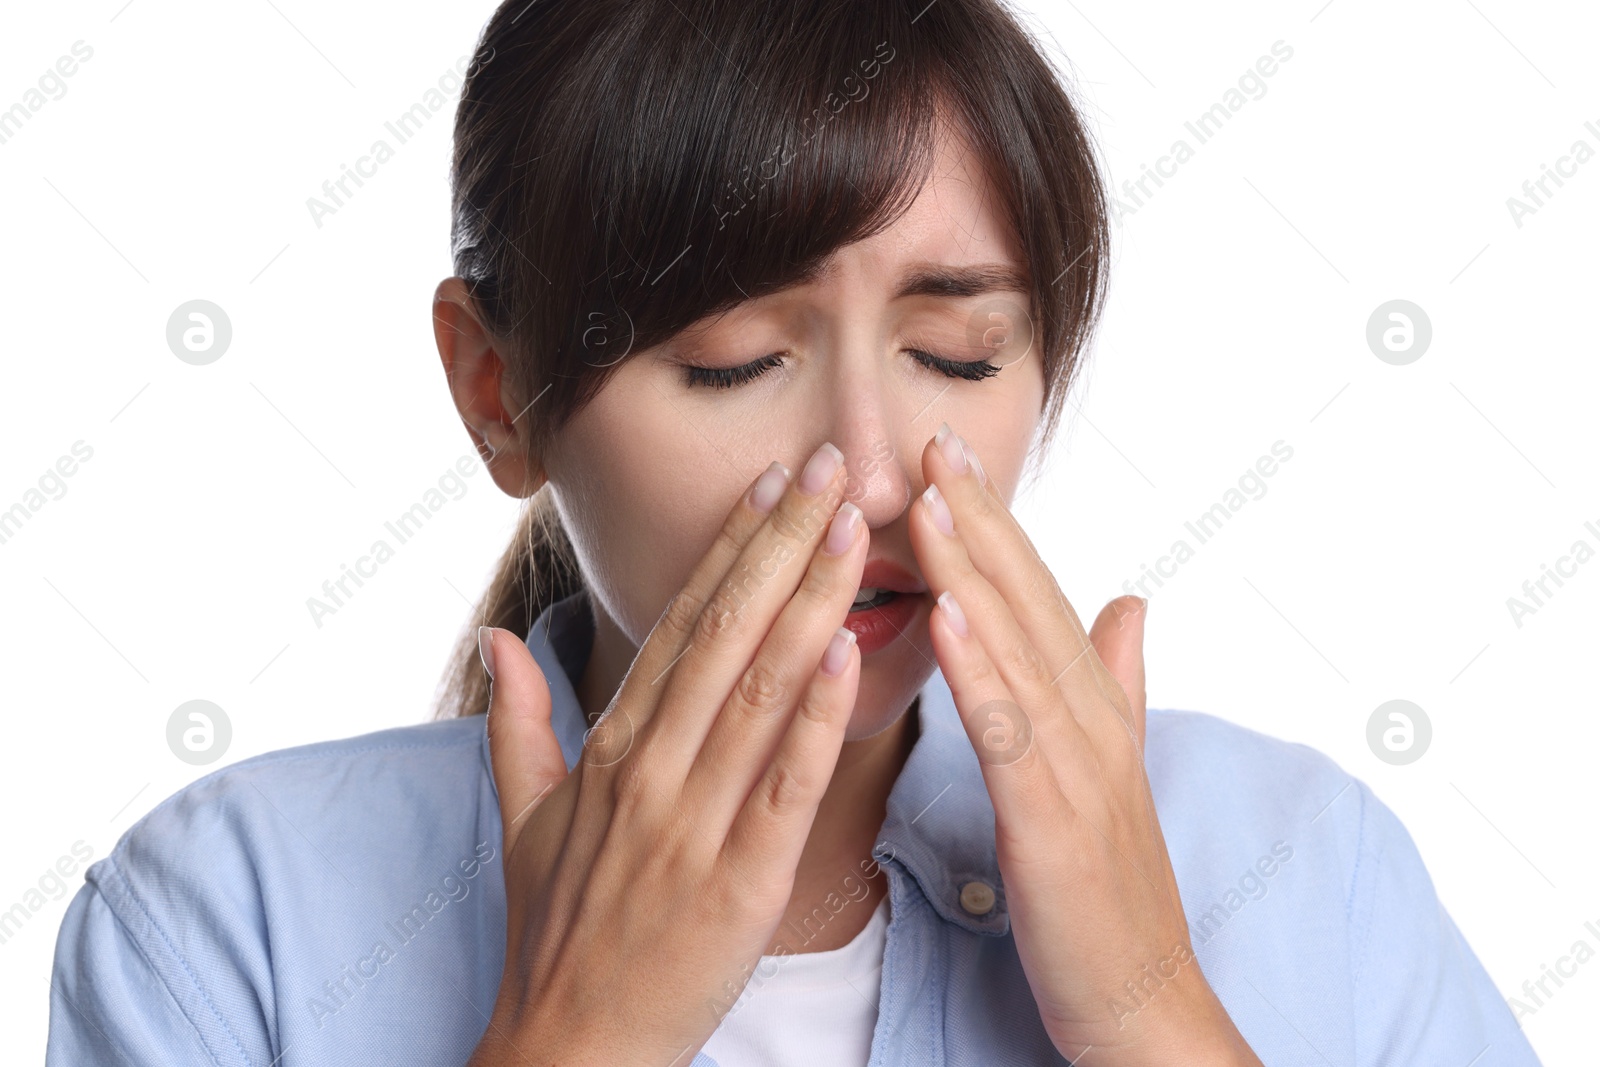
(624, 168)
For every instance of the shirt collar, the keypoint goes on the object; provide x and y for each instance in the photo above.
(940, 822)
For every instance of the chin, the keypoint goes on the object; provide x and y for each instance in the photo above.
(891, 678)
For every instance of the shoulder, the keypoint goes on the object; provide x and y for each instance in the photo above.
(377, 774)
(324, 812)
(1283, 856)
(401, 760)
(272, 875)
(1194, 754)
(1234, 800)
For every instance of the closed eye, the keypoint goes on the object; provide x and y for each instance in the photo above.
(728, 377)
(975, 370)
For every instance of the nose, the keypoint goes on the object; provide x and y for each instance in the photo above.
(865, 423)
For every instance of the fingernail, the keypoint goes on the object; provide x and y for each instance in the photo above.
(950, 445)
(838, 652)
(972, 458)
(938, 509)
(769, 488)
(952, 611)
(820, 469)
(486, 650)
(842, 531)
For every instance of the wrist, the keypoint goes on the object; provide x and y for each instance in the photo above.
(1194, 1029)
(524, 1037)
(1202, 1036)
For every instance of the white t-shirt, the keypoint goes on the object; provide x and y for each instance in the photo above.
(808, 1008)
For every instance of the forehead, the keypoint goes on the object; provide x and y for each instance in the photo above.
(956, 218)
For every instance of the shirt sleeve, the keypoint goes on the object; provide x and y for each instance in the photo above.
(107, 1004)
(122, 992)
(1421, 995)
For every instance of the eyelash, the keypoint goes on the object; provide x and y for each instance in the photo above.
(728, 377)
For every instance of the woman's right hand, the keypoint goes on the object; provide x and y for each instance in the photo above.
(642, 887)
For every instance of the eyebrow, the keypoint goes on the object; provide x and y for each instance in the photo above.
(962, 281)
(937, 280)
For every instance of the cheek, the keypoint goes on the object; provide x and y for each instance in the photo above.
(637, 541)
(643, 507)
(999, 419)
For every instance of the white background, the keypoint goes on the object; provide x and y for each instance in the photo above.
(1377, 566)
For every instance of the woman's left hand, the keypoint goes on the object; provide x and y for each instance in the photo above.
(1057, 718)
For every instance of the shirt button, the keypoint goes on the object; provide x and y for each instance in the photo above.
(977, 898)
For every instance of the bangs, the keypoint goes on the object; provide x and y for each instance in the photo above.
(676, 158)
(822, 141)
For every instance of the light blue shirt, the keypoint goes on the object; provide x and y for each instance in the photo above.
(343, 904)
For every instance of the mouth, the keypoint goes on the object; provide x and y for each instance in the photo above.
(883, 582)
(881, 617)
(868, 597)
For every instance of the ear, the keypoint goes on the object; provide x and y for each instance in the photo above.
(475, 372)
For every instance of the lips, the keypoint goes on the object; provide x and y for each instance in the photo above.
(886, 574)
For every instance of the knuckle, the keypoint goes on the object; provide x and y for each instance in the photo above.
(631, 786)
(762, 691)
(819, 586)
(809, 518)
(769, 565)
(783, 788)
(1020, 657)
(720, 615)
(788, 524)
(814, 707)
(727, 540)
(681, 613)
(798, 524)
(981, 672)
(1042, 587)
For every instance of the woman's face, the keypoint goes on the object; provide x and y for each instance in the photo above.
(645, 475)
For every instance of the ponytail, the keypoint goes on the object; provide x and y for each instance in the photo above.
(537, 569)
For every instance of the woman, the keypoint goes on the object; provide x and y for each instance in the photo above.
(794, 751)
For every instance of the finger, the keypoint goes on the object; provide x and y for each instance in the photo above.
(1118, 639)
(947, 565)
(737, 616)
(1006, 556)
(770, 831)
(641, 687)
(1028, 802)
(756, 715)
(524, 756)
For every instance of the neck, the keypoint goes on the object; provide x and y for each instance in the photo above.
(836, 863)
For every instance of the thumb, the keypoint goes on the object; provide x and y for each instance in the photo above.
(524, 755)
(1118, 638)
